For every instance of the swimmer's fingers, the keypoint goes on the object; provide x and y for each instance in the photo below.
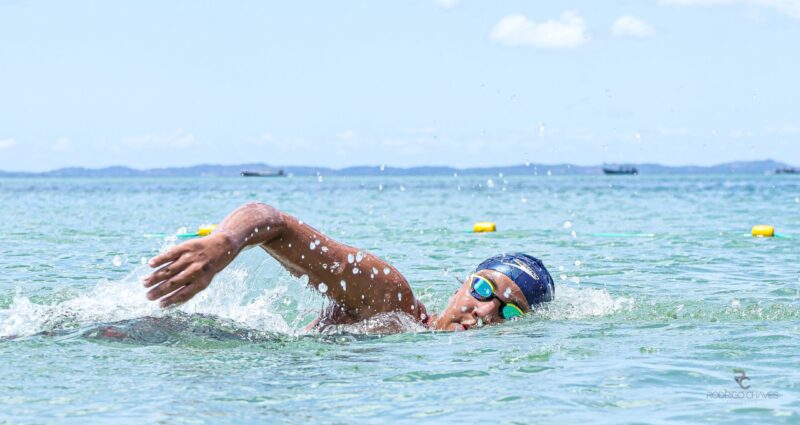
(182, 279)
(170, 255)
(186, 293)
(168, 271)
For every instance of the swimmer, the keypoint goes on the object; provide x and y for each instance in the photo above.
(359, 285)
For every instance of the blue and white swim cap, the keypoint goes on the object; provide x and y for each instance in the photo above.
(527, 272)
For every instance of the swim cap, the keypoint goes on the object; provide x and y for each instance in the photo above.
(527, 272)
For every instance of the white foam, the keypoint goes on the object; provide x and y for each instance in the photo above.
(580, 303)
(227, 297)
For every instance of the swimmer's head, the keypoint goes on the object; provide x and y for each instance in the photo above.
(518, 280)
(527, 272)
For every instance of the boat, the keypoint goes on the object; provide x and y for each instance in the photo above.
(620, 171)
(787, 170)
(278, 173)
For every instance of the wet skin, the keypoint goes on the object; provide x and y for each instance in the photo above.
(371, 286)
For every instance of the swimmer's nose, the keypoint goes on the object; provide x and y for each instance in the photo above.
(484, 311)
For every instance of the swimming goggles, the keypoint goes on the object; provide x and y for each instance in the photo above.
(483, 290)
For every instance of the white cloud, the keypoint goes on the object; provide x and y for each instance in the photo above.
(422, 131)
(62, 145)
(786, 129)
(448, 4)
(631, 26)
(176, 139)
(668, 131)
(697, 2)
(349, 138)
(517, 30)
(7, 143)
(789, 7)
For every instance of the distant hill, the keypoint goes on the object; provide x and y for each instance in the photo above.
(211, 170)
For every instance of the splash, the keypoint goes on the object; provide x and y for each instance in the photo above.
(580, 303)
(229, 298)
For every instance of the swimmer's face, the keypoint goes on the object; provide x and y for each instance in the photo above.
(464, 311)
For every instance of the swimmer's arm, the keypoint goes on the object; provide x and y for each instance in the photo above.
(189, 267)
(360, 283)
(375, 287)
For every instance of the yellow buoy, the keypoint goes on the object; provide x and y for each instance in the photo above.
(206, 229)
(763, 231)
(484, 226)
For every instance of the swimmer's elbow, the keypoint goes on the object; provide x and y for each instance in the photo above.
(263, 209)
(265, 216)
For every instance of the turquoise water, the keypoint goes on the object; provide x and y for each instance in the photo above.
(643, 329)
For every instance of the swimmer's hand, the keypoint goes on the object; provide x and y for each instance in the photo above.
(188, 268)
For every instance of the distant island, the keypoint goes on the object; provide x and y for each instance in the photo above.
(210, 170)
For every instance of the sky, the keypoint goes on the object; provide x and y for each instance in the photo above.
(463, 83)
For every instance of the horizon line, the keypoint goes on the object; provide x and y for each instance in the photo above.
(385, 166)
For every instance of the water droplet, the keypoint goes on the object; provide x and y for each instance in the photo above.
(322, 288)
(319, 178)
(256, 229)
(463, 309)
(362, 296)
(735, 303)
(312, 246)
(356, 270)
(399, 297)
(574, 235)
(549, 173)
(290, 245)
(117, 261)
(383, 167)
(567, 224)
(324, 249)
(343, 284)
(561, 268)
(380, 187)
(489, 183)
(143, 260)
(316, 241)
(374, 270)
(386, 270)
(423, 316)
(359, 256)
(324, 266)
(402, 188)
(479, 323)
(507, 293)
(350, 258)
(797, 200)
(287, 301)
(575, 279)
(577, 263)
(563, 277)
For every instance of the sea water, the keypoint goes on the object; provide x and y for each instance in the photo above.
(650, 327)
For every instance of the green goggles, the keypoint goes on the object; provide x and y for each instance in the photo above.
(483, 290)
